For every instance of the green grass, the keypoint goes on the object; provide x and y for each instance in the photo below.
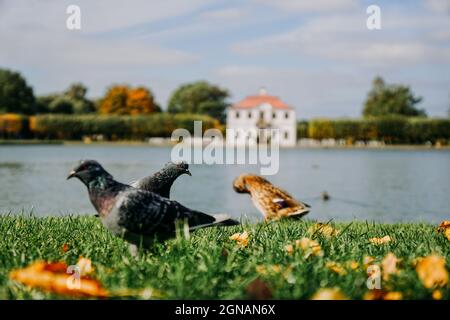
(211, 266)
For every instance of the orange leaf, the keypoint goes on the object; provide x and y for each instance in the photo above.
(240, 238)
(444, 228)
(382, 295)
(65, 247)
(53, 277)
(432, 272)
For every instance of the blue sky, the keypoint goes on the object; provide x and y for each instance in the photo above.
(318, 55)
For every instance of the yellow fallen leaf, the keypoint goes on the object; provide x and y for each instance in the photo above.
(324, 229)
(447, 233)
(382, 295)
(336, 268)
(437, 295)
(240, 238)
(265, 270)
(394, 295)
(329, 294)
(378, 241)
(444, 225)
(352, 264)
(53, 277)
(431, 271)
(289, 248)
(85, 266)
(389, 265)
(309, 247)
(444, 228)
(368, 260)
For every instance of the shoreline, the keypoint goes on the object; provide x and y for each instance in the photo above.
(409, 147)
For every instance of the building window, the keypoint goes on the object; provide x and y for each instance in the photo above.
(250, 115)
(286, 135)
(286, 115)
(237, 114)
(274, 115)
(261, 114)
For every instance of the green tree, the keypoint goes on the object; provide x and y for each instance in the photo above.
(16, 96)
(61, 105)
(73, 100)
(199, 97)
(386, 100)
(76, 94)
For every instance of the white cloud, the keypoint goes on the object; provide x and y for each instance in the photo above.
(98, 15)
(345, 38)
(36, 33)
(311, 6)
(439, 6)
(225, 14)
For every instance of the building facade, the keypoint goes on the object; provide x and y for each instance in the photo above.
(249, 117)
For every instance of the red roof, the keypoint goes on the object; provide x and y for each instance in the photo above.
(261, 98)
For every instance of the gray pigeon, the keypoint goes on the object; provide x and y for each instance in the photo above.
(162, 181)
(139, 216)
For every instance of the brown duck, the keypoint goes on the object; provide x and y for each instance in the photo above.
(271, 201)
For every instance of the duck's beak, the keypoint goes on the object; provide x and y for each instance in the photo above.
(71, 174)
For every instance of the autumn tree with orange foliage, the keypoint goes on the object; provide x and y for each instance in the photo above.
(124, 100)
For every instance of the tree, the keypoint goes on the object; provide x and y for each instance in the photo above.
(16, 96)
(76, 94)
(122, 99)
(73, 100)
(199, 97)
(385, 100)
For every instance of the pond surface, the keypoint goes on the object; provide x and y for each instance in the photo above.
(382, 185)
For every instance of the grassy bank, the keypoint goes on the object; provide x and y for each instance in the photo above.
(7, 142)
(210, 265)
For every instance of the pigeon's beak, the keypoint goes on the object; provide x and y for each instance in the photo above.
(188, 173)
(71, 174)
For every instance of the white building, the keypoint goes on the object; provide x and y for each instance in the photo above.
(261, 111)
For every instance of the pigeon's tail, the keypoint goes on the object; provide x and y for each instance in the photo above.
(224, 220)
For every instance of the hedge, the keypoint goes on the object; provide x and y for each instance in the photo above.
(388, 129)
(112, 127)
(13, 126)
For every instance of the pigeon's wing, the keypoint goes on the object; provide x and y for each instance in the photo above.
(278, 203)
(154, 183)
(147, 213)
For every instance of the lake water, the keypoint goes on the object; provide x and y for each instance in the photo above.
(382, 185)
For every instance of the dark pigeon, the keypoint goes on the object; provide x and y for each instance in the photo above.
(139, 216)
(162, 181)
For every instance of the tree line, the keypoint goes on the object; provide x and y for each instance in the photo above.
(389, 113)
(201, 97)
